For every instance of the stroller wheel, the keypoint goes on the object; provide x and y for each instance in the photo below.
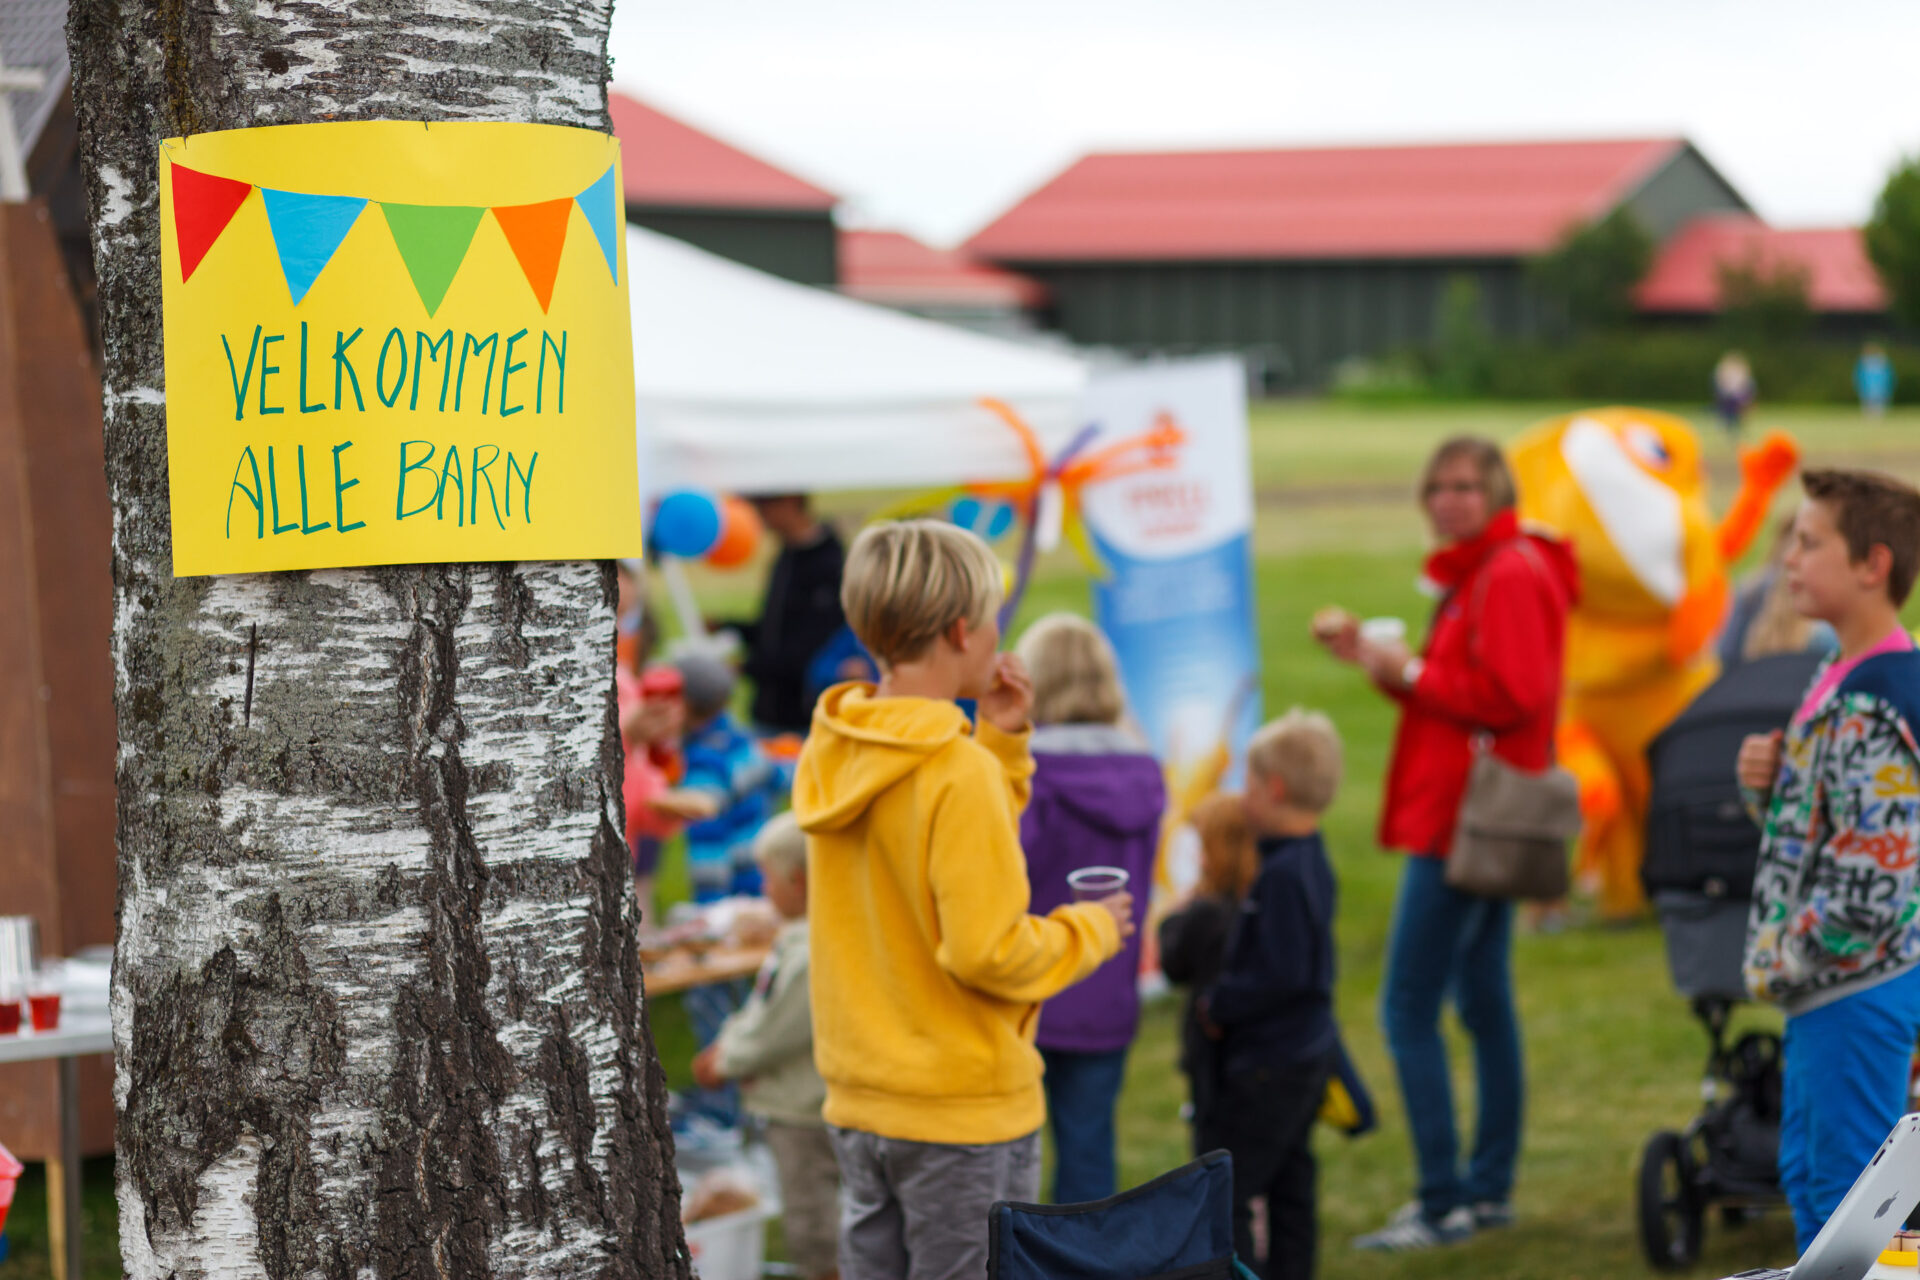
(1671, 1215)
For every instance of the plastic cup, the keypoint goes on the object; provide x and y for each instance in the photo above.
(1383, 630)
(10, 1016)
(43, 1008)
(1092, 884)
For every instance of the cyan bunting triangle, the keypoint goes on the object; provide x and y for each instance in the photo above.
(601, 203)
(306, 231)
(537, 233)
(433, 240)
(203, 205)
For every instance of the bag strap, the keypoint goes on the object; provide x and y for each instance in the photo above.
(1482, 741)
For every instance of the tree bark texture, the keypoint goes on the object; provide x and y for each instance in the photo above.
(377, 1002)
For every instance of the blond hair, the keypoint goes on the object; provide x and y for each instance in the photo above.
(1076, 679)
(907, 581)
(1496, 478)
(1302, 750)
(1229, 857)
(781, 846)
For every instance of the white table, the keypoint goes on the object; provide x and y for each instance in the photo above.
(80, 1033)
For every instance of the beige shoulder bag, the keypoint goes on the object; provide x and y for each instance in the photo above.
(1510, 840)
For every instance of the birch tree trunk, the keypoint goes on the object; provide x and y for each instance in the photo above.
(376, 1002)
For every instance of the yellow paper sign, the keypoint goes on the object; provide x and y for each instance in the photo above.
(390, 342)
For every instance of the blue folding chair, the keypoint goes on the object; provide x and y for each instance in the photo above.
(1178, 1225)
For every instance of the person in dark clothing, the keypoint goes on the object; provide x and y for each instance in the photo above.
(1272, 1007)
(1193, 941)
(799, 615)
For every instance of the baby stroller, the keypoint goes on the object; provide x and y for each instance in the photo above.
(1698, 872)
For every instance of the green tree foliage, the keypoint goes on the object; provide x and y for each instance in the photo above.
(1764, 302)
(1893, 239)
(1592, 271)
(1463, 341)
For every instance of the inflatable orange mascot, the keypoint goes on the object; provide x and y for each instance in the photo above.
(1627, 488)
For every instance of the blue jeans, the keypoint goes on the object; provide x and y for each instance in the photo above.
(1082, 1091)
(1843, 1087)
(1450, 943)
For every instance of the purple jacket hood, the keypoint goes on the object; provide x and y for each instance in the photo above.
(1098, 799)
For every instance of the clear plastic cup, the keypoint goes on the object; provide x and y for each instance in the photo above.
(1383, 630)
(1092, 884)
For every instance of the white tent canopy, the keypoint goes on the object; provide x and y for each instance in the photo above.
(751, 384)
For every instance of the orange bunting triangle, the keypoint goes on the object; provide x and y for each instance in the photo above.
(536, 233)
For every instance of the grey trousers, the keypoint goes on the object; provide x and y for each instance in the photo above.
(918, 1210)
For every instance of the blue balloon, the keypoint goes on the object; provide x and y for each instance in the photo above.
(686, 525)
(1000, 521)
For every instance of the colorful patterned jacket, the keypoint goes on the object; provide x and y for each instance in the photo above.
(1837, 887)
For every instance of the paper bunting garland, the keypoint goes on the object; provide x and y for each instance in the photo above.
(601, 205)
(432, 240)
(306, 231)
(536, 233)
(203, 205)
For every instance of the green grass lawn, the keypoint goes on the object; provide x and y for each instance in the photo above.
(1612, 1053)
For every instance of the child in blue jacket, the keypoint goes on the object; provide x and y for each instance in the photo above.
(732, 778)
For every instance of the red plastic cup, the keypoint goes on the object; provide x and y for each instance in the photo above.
(9, 1017)
(44, 1009)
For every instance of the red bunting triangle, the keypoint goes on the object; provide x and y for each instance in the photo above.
(536, 233)
(203, 205)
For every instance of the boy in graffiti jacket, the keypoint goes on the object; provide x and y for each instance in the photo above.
(1832, 936)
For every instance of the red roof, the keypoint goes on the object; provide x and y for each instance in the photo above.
(1495, 199)
(1686, 275)
(895, 269)
(664, 161)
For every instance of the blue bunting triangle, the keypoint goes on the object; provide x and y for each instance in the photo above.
(307, 229)
(601, 203)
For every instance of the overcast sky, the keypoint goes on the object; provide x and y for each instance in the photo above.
(934, 117)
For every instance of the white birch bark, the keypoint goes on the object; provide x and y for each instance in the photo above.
(377, 997)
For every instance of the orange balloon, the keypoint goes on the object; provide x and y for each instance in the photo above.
(739, 534)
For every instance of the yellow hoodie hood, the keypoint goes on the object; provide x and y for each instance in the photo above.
(927, 971)
(861, 745)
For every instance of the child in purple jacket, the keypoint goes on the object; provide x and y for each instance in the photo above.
(1098, 797)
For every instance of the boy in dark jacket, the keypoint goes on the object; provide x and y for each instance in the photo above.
(1272, 1008)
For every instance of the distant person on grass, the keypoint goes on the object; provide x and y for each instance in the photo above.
(1873, 380)
(928, 971)
(1098, 796)
(1490, 674)
(1831, 937)
(799, 615)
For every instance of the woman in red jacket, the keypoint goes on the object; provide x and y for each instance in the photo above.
(1490, 671)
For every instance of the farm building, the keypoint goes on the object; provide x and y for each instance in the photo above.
(690, 185)
(1843, 290)
(893, 269)
(1303, 258)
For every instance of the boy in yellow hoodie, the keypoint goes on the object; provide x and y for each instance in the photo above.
(928, 972)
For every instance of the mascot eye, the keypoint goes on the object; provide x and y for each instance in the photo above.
(1647, 447)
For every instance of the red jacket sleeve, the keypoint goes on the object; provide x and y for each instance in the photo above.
(1510, 674)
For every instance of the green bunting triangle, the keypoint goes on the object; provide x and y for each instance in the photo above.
(433, 240)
